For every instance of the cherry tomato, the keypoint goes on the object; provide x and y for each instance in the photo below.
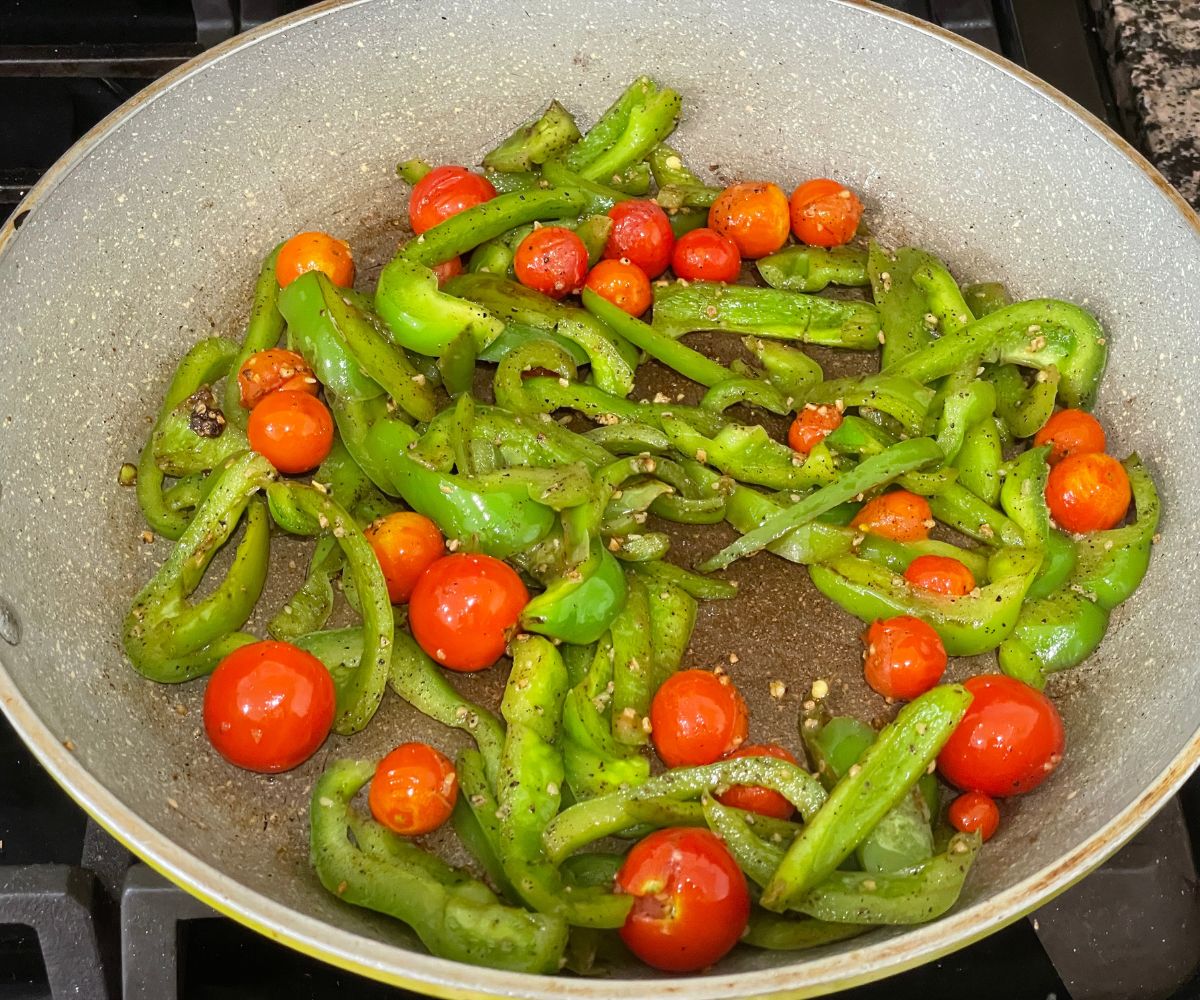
(406, 544)
(904, 657)
(447, 269)
(1071, 432)
(1088, 492)
(824, 213)
(973, 811)
(463, 608)
(754, 215)
(315, 252)
(1009, 741)
(812, 425)
(292, 429)
(413, 790)
(940, 574)
(265, 371)
(641, 234)
(443, 192)
(551, 260)
(706, 255)
(268, 706)
(755, 798)
(899, 515)
(690, 903)
(624, 284)
(697, 717)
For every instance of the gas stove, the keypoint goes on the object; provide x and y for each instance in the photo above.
(80, 917)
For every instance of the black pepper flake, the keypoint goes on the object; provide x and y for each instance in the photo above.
(205, 418)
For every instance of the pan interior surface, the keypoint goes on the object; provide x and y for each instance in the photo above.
(150, 237)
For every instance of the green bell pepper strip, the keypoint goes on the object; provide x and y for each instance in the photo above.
(630, 439)
(979, 460)
(493, 257)
(690, 502)
(678, 187)
(682, 308)
(454, 916)
(886, 773)
(634, 671)
(516, 335)
(633, 180)
(667, 166)
(986, 297)
(967, 402)
(904, 399)
(1024, 409)
(187, 493)
(788, 368)
(535, 142)
(780, 933)
(687, 219)
(309, 608)
(746, 392)
(610, 126)
(425, 319)
(662, 812)
(813, 269)
(945, 299)
(680, 197)
(480, 833)
(703, 588)
(1039, 333)
(870, 473)
(411, 171)
(207, 361)
(688, 362)
(169, 639)
(903, 307)
(897, 555)
(532, 440)
(968, 625)
(614, 363)
(529, 789)
(672, 619)
(808, 543)
(456, 364)
(1059, 559)
(646, 546)
(959, 508)
(605, 815)
(1023, 495)
(594, 231)
(580, 605)
(1055, 633)
(263, 330)
(650, 121)
(462, 232)
(601, 197)
(304, 510)
(857, 436)
(626, 511)
(194, 437)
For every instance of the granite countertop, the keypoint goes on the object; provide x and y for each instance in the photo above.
(1154, 53)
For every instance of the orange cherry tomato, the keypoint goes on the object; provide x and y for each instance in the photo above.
(706, 255)
(413, 790)
(641, 234)
(268, 706)
(697, 717)
(624, 284)
(904, 657)
(292, 429)
(973, 811)
(1009, 740)
(315, 251)
(406, 544)
(824, 213)
(443, 192)
(463, 609)
(898, 514)
(755, 798)
(940, 574)
(753, 214)
(690, 903)
(1071, 432)
(266, 371)
(812, 425)
(447, 269)
(1088, 492)
(551, 260)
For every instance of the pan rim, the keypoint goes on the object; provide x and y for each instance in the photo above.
(417, 970)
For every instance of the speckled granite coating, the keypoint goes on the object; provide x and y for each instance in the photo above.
(1154, 52)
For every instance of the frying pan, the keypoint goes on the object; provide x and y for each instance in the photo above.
(148, 233)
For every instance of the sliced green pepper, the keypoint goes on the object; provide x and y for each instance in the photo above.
(812, 269)
(535, 142)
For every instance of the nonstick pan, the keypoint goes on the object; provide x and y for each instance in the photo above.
(148, 233)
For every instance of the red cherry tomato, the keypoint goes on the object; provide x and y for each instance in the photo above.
(266, 371)
(443, 192)
(1071, 432)
(551, 260)
(940, 574)
(706, 255)
(898, 514)
(447, 269)
(1009, 741)
(624, 285)
(292, 429)
(904, 657)
(406, 544)
(824, 213)
(1088, 492)
(755, 798)
(413, 790)
(642, 235)
(463, 608)
(690, 903)
(812, 425)
(697, 717)
(973, 811)
(268, 706)
(754, 215)
(315, 251)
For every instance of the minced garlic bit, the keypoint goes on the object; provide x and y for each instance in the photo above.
(733, 658)
(854, 769)
(778, 689)
(820, 688)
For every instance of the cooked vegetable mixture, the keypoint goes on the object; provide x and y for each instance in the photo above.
(416, 433)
